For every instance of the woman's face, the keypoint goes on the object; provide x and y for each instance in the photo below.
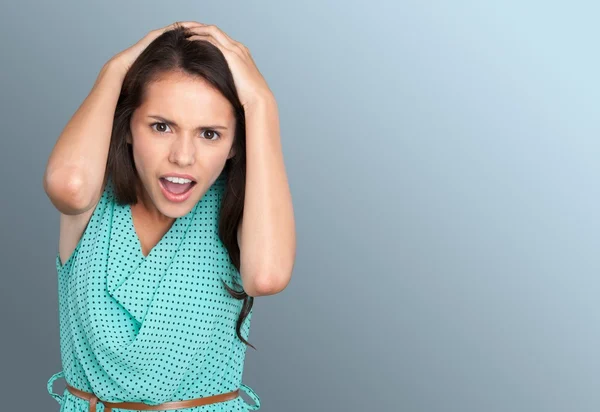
(184, 126)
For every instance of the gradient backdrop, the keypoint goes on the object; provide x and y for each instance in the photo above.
(444, 163)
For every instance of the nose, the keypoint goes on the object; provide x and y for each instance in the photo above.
(183, 151)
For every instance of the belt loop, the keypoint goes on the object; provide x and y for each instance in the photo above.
(93, 402)
(56, 396)
(252, 395)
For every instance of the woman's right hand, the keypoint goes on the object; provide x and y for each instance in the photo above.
(126, 57)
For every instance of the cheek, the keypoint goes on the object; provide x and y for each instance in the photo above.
(146, 154)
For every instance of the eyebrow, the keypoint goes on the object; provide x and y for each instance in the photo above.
(171, 122)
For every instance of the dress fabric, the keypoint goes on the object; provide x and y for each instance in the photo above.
(151, 329)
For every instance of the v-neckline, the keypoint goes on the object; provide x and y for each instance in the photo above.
(132, 279)
(140, 252)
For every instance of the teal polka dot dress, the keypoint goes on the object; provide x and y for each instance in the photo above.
(151, 329)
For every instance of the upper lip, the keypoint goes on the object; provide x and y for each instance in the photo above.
(179, 175)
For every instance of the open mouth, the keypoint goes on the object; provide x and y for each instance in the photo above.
(176, 188)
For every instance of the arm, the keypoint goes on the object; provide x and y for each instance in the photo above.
(266, 233)
(75, 170)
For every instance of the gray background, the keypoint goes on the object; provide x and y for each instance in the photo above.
(443, 159)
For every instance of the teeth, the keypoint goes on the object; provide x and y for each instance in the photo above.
(179, 180)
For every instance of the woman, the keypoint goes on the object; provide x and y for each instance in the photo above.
(166, 236)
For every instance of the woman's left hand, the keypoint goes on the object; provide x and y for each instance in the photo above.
(249, 82)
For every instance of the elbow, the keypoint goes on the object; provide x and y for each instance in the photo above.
(272, 277)
(269, 283)
(66, 193)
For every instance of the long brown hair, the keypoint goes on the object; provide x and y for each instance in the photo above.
(171, 52)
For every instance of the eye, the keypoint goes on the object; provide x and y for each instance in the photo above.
(213, 135)
(159, 123)
(213, 132)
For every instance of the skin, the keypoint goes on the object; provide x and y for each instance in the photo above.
(266, 236)
(164, 148)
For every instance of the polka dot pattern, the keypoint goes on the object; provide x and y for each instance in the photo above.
(153, 328)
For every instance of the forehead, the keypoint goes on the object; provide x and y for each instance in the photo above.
(183, 97)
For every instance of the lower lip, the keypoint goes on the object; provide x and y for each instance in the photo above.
(174, 197)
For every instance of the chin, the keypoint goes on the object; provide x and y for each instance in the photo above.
(178, 203)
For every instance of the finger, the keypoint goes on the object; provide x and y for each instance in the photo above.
(225, 35)
(188, 24)
(218, 35)
(237, 44)
(184, 24)
(207, 37)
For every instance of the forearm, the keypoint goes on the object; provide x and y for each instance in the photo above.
(79, 156)
(268, 228)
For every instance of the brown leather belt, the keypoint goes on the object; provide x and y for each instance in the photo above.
(189, 403)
